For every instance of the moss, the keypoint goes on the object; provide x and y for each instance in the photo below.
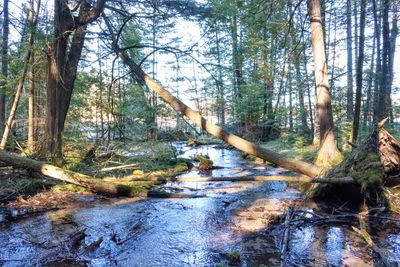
(133, 189)
(370, 178)
(232, 257)
(205, 162)
(69, 188)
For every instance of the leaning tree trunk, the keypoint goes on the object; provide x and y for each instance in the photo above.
(240, 143)
(18, 92)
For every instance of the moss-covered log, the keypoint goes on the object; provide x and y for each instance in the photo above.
(373, 163)
(95, 185)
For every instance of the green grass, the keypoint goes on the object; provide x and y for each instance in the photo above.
(293, 147)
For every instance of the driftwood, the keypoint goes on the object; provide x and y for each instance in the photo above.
(92, 184)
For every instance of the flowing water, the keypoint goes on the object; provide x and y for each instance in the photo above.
(234, 223)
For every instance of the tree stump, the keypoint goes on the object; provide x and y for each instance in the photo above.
(372, 164)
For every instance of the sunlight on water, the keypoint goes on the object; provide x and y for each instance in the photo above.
(334, 246)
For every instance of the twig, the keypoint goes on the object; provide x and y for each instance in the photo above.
(285, 239)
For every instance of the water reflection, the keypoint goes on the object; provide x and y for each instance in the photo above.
(334, 246)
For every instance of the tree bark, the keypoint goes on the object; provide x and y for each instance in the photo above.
(349, 106)
(300, 86)
(367, 107)
(359, 73)
(328, 152)
(384, 87)
(4, 65)
(239, 143)
(237, 61)
(63, 57)
(377, 33)
(220, 82)
(393, 37)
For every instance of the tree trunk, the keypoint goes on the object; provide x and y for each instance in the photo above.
(310, 109)
(237, 61)
(95, 185)
(241, 144)
(367, 107)
(384, 89)
(328, 152)
(4, 65)
(63, 57)
(359, 73)
(377, 33)
(300, 88)
(393, 37)
(31, 105)
(17, 96)
(349, 106)
(289, 88)
(220, 83)
(11, 118)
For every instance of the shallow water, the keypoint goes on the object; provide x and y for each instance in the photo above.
(233, 217)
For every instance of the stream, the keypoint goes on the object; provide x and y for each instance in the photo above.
(233, 223)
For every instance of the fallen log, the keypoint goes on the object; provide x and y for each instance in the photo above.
(92, 184)
(298, 166)
(301, 179)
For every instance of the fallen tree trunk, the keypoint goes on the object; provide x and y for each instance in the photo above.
(301, 179)
(92, 184)
(212, 129)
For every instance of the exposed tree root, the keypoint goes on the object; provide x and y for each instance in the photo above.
(372, 164)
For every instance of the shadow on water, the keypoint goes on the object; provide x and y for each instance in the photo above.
(240, 217)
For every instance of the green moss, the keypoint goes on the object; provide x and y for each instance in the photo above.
(370, 178)
(232, 257)
(69, 188)
(133, 189)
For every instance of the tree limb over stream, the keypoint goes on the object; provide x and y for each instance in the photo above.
(298, 166)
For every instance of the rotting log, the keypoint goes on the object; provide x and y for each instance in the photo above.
(212, 129)
(95, 185)
(300, 179)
